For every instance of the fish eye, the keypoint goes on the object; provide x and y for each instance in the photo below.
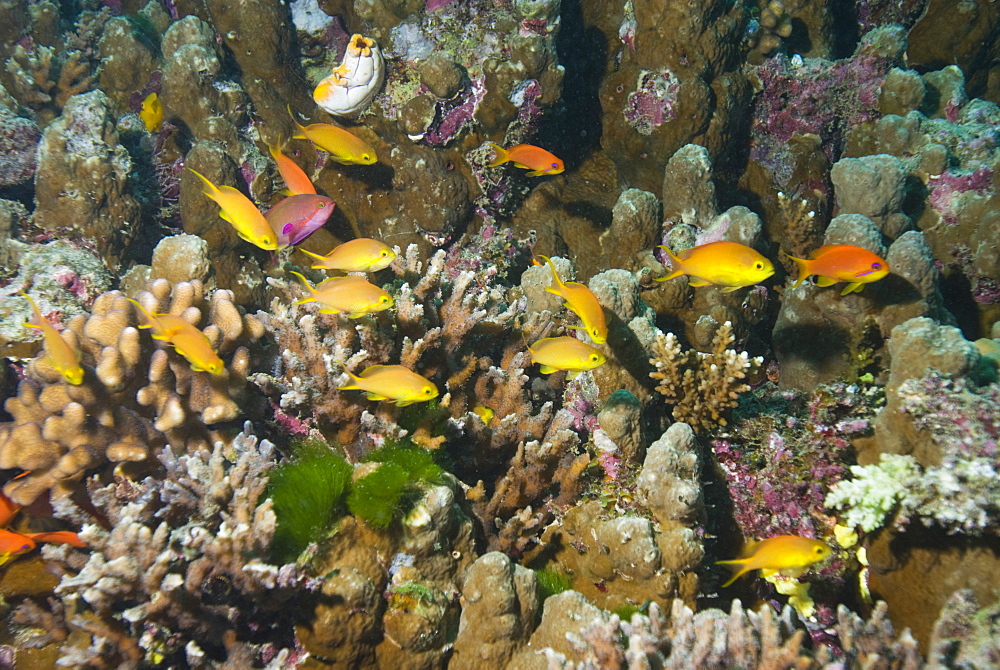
(876, 266)
(595, 357)
(555, 165)
(428, 391)
(758, 266)
(384, 299)
(385, 252)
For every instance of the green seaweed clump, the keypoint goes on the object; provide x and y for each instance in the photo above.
(551, 582)
(383, 495)
(307, 493)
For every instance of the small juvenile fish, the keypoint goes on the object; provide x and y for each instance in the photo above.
(359, 255)
(789, 554)
(834, 263)
(296, 180)
(296, 217)
(395, 383)
(582, 301)
(353, 294)
(343, 147)
(62, 356)
(728, 264)
(528, 156)
(151, 112)
(240, 211)
(187, 340)
(565, 353)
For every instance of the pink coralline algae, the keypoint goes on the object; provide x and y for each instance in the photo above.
(652, 102)
(945, 188)
(453, 116)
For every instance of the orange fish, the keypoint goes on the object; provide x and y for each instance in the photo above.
(62, 356)
(565, 353)
(833, 263)
(13, 544)
(8, 509)
(528, 156)
(582, 301)
(789, 554)
(343, 147)
(727, 264)
(296, 180)
(187, 340)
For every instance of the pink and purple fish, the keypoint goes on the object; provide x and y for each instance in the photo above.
(296, 217)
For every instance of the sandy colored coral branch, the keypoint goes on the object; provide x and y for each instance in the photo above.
(703, 387)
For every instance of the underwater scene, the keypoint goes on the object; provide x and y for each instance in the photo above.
(500, 334)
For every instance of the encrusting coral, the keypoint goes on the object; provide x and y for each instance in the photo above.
(180, 575)
(702, 387)
(134, 397)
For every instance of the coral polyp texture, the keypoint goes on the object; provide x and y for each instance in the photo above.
(407, 466)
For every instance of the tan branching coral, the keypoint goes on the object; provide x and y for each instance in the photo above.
(135, 396)
(703, 387)
(44, 81)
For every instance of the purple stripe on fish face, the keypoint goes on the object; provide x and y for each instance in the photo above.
(296, 217)
(874, 268)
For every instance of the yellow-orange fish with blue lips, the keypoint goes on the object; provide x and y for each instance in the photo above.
(353, 295)
(536, 160)
(186, 339)
(730, 265)
(241, 213)
(394, 383)
(60, 355)
(359, 255)
(833, 263)
(581, 301)
(789, 554)
(565, 353)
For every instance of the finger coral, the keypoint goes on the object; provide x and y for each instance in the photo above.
(702, 387)
(135, 397)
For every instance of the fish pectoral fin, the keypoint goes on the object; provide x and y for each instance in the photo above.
(729, 289)
(572, 374)
(534, 173)
(672, 275)
(330, 310)
(698, 281)
(375, 396)
(403, 403)
(853, 287)
(356, 315)
(31, 325)
(825, 281)
(547, 369)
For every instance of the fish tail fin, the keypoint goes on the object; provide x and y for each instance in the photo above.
(34, 308)
(804, 271)
(150, 319)
(501, 155)
(305, 282)
(353, 385)
(211, 190)
(560, 285)
(312, 255)
(675, 264)
(738, 566)
(300, 135)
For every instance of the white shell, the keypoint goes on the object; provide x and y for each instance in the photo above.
(352, 86)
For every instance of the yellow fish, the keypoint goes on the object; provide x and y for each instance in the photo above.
(728, 264)
(151, 112)
(187, 340)
(565, 353)
(240, 211)
(582, 301)
(352, 294)
(789, 554)
(395, 383)
(296, 180)
(360, 255)
(343, 147)
(62, 356)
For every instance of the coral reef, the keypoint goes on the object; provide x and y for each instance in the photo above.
(180, 576)
(134, 398)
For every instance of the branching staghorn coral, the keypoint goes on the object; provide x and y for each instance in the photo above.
(180, 576)
(703, 387)
(135, 396)
(44, 78)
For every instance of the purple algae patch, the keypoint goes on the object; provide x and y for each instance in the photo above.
(653, 101)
